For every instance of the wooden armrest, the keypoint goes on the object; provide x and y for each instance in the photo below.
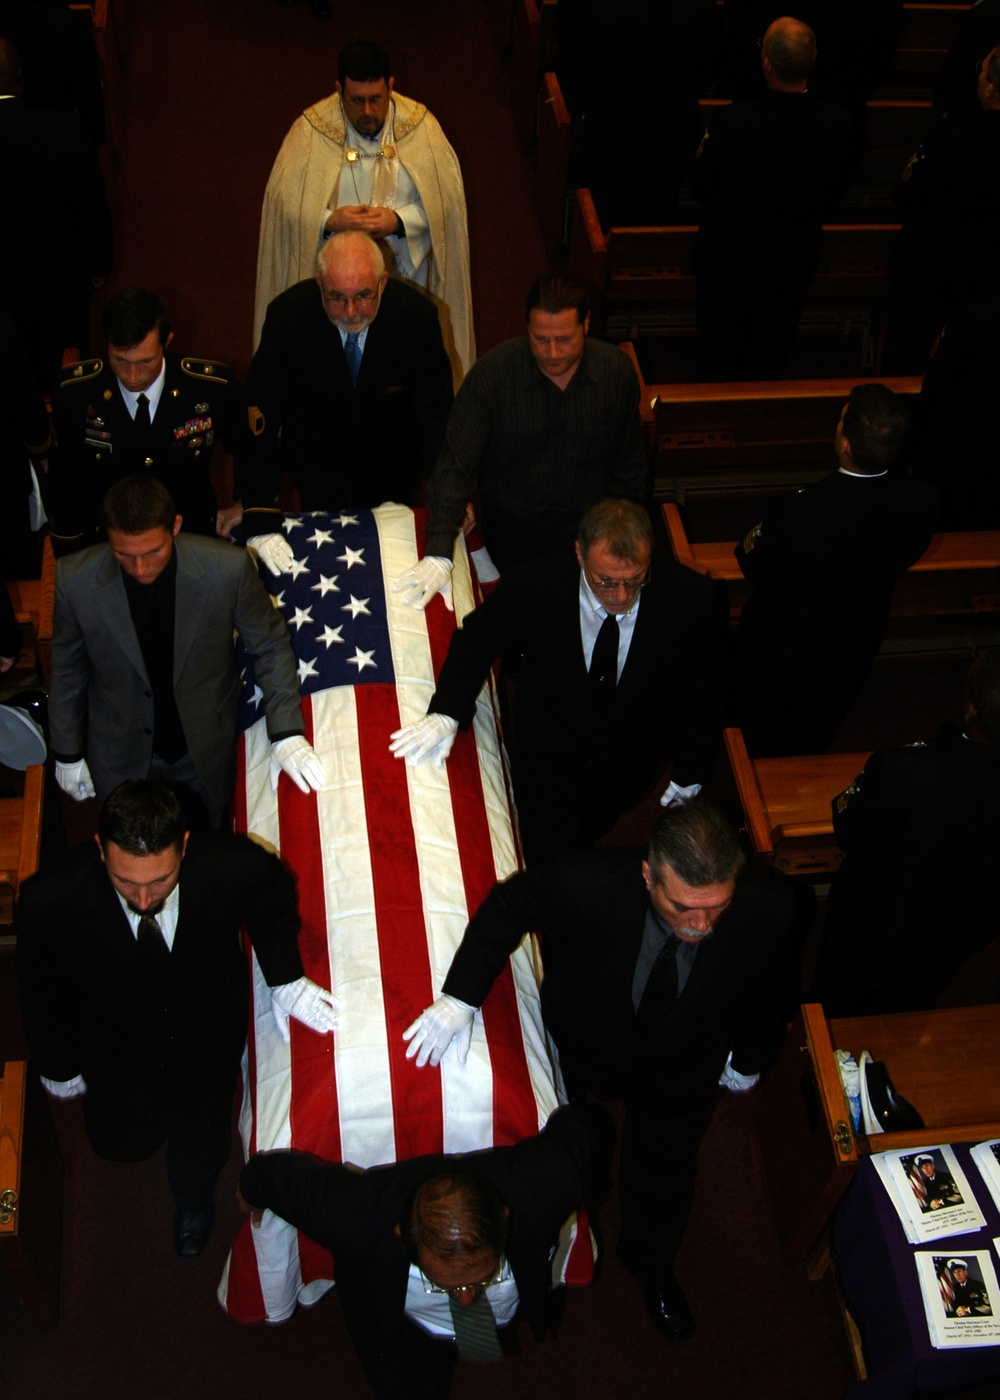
(748, 786)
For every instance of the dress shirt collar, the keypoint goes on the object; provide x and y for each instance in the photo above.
(362, 337)
(166, 918)
(153, 393)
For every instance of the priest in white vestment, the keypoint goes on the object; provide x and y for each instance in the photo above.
(368, 158)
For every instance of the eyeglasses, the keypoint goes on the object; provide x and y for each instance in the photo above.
(612, 585)
(361, 299)
(463, 1289)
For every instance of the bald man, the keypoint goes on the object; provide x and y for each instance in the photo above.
(349, 391)
(769, 172)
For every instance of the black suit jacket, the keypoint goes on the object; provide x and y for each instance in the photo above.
(542, 1179)
(589, 912)
(666, 702)
(90, 1003)
(822, 563)
(921, 828)
(345, 446)
(769, 172)
(97, 443)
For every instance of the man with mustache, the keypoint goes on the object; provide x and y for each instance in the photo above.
(350, 390)
(663, 979)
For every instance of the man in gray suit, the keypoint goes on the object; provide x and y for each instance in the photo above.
(144, 675)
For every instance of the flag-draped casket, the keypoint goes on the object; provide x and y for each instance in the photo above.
(390, 861)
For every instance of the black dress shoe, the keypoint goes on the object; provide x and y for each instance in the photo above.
(670, 1310)
(191, 1231)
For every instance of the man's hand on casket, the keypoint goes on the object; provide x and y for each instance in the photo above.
(429, 575)
(308, 1002)
(296, 757)
(274, 550)
(444, 1021)
(433, 735)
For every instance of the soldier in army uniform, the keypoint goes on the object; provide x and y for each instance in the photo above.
(141, 410)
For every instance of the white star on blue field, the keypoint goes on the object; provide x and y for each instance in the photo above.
(333, 600)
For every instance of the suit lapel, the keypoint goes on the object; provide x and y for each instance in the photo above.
(112, 606)
(191, 598)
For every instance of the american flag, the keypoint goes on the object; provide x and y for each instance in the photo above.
(391, 862)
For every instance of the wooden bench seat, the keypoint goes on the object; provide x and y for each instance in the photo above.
(739, 435)
(786, 804)
(642, 276)
(956, 577)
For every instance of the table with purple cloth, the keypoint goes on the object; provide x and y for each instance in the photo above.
(879, 1277)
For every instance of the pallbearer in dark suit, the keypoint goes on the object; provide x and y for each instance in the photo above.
(134, 985)
(585, 750)
(663, 978)
(420, 1246)
(349, 390)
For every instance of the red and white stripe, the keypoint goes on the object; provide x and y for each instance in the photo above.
(391, 862)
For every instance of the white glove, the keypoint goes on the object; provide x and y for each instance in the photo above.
(64, 1088)
(433, 735)
(429, 575)
(675, 796)
(446, 1020)
(275, 551)
(735, 1082)
(296, 757)
(308, 1002)
(75, 779)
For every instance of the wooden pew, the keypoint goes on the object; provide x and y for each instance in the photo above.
(552, 158)
(31, 1194)
(20, 839)
(955, 578)
(786, 804)
(34, 600)
(735, 436)
(532, 52)
(644, 275)
(107, 18)
(896, 128)
(926, 34)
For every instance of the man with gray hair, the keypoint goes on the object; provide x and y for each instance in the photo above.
(617, 670)
(349, 392)
(663, 979)
(768, 172)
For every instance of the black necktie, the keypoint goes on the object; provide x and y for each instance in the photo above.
(154, 946)
(141, 419)
(603, 672)
(475, 1329)
(661, 985)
